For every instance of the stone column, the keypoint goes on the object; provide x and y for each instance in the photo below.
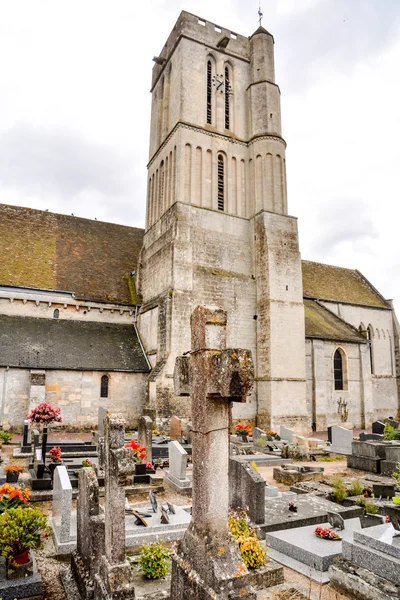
(208, 563)
(115, 580)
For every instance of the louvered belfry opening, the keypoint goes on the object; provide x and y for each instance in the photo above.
(221, 183)
(227, 116)
(209, 88)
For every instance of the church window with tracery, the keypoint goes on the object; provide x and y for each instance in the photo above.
(221, 183)
(338, 370)
(209, 91)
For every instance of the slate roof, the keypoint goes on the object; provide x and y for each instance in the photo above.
(91, 258)
(32, 343)
(321, 323)
(326, 282)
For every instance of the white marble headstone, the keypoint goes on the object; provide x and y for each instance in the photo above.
(62, 503)
(177, 460)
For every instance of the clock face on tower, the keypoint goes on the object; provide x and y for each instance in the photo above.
(222, 84)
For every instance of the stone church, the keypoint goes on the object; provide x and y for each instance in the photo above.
(95, 314)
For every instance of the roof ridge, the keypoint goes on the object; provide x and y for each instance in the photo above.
(315, 262)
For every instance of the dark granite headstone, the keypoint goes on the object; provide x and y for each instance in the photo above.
(364, 437)
(330, 434)
(378, 427)
(26, 432)
(383, 491)
(164, 516)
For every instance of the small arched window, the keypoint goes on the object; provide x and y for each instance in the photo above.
(209, 92)
(227, 93)
(56, 313)
(221, 182)
(338, 370)
(104, 386)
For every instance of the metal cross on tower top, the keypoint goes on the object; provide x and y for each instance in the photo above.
(260, 15)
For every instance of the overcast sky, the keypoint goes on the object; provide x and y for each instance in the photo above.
(75, 109)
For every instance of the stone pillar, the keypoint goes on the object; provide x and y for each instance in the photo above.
(208, 563)
(86, 559)
(145, 433)
(115, 580)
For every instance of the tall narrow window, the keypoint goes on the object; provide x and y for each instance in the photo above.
(370, 336)
(338, 370)
(227, 87)
(56, 313)
(104, 386)
(221, 182)
(209, 90)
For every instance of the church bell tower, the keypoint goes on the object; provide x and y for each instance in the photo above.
(217, 229)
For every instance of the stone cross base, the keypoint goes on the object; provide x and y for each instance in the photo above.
(221, 562)
(115, 582)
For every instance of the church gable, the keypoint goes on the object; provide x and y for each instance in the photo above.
(327, 282)
(93, 259)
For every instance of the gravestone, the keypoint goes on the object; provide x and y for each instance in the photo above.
(175, 428)
(364, 437)
(176, 474)
(145, 435)
(247, 488)
(102, 413)
(208, 563)
(381, 490)
(187, 431)
(25, 443)
(86, 560)
(392, 422)
(341, 440)
(115, 578)
(378, 427)
(257, 434)
(336, 521)
(286, 434)
(62, 509)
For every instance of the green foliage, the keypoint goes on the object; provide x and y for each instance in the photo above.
(239, 524)
(253, 552)
(396, 499)
(6, 436)
(154, 560)
(396, 474)
(339, 492)
(356, 488)
(22, 528)
(261, 442)
(328, 458)
(368, 506)
(390, 433)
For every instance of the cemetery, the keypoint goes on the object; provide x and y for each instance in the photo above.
(326, 509)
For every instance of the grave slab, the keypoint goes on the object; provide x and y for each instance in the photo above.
(341, 440)
(26, 587)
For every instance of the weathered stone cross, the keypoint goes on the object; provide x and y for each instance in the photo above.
(208, 564)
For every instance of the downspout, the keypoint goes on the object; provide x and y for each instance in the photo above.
(314, 391)
(3, 395)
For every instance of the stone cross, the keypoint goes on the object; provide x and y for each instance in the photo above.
(208, 563)
(90, 532)
(115, 580)
(145, 436)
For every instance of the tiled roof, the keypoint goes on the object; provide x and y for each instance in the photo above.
(94, 259)
(326, 282)
(323, 324)
(33, 343)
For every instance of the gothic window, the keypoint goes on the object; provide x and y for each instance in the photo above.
(56, 314)
(370, 335)
(221, 182)
(227, 107)
(104, 386)
(339, 370)
(209, 92)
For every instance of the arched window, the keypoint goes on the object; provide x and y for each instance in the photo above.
(339, 370)
(227, 92)
(370, 337)
(56, 313)
(104, 386)
(221, 182)
(209, 92)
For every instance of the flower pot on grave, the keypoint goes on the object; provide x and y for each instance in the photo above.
(12, 477)
(20, 566)
(22, 558)
(52, 467)
(140, 469)
(243, 436)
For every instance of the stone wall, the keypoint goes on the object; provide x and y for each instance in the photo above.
(77, 393)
